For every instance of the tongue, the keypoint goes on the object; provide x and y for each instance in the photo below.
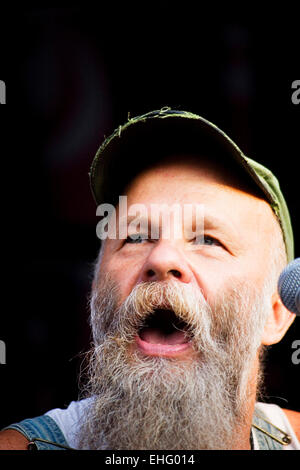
(156, 336)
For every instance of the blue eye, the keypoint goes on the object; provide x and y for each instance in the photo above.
(211, 241)
(207, 240)
(135, 238)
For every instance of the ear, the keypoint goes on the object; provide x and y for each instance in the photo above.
(278, 322)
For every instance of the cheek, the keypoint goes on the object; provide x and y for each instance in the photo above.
(214, 277)
(212, 274)
(256, 269)
(124, 273)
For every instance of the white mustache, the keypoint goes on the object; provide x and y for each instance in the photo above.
(184, 300)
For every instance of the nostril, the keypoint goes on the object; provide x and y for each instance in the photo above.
(175, 272)
(150, 273)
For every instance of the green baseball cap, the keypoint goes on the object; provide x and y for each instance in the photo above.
(142, 140)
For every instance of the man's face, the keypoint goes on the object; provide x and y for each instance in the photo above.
(177, 322)
(237, 236)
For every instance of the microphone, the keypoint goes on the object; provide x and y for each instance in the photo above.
(289, 286)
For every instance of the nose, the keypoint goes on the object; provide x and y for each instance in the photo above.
(165, 262)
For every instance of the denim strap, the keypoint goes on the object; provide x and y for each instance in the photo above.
(41, 428)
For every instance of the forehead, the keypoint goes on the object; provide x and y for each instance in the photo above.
(185, 167)
(221, 192)
(190, 175)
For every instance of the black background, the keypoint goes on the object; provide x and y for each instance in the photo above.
(72, 75)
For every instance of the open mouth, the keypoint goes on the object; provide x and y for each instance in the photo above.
(163, 333)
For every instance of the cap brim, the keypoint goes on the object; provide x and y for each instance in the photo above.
(142, 141)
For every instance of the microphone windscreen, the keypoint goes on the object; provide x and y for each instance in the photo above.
(289, 286)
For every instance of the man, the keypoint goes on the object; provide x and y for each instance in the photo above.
(184, 302)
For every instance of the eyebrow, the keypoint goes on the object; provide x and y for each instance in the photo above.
(211, 222)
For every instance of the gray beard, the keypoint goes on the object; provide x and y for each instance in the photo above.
(141, 402)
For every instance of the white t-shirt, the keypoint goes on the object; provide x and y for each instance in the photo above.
(67, 420)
